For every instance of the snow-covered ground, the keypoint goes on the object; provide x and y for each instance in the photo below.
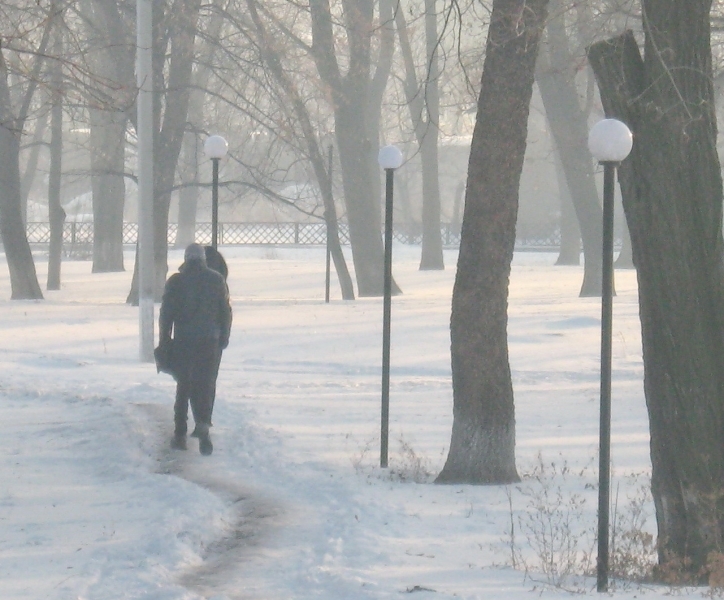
(292, 504)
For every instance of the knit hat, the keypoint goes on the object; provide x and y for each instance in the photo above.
(195, 252)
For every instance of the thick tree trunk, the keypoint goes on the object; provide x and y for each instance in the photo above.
(672, 195)
(108, 143)
(363, 212)
(482, 449)
(569, 126)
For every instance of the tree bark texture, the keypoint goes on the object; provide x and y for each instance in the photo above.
(569, 126)
(108, 144)
(672, 196)
(482, 449)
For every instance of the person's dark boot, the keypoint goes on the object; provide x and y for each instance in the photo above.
(195, 432)
(178, 441)
(205, 445)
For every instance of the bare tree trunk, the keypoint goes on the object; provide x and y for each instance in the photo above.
(350, 95)
(331, 221)
(324, 177)
(482, 448)
(431, 258)
(55, 210)
(189, 169)
(363, 214)
(30, 160)
(23, 277)
(424, 109)
(568, 122)
(108, 143)
(672, 196)
(570, 250)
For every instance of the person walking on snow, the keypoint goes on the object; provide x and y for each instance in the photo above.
(197, 310)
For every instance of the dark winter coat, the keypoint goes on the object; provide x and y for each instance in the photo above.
(195, 305)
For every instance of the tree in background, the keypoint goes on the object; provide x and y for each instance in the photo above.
(272, 58)
(555, 76)
(423, 102)
(342, 52)
(108, 41)
(16, 93)
(174, 35)
(672, 196)
(56, 213)
(482, 448)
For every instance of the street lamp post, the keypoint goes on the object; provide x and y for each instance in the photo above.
(610, 142)
(144, 132)
(389, 158)
(215, 147)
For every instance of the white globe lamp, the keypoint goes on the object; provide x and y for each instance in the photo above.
(215, 147)
(610, 140)
(390, 157)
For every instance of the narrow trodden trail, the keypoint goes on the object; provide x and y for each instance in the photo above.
(233, 565)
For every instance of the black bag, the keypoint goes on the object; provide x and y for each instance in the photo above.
(166, 358)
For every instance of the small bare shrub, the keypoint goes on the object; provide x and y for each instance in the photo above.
(633, 552)
(556, 534)
(550, 527)
(405, 465)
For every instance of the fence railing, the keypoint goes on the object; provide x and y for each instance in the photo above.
(80, 235)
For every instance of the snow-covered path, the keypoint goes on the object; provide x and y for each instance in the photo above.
(292, 504)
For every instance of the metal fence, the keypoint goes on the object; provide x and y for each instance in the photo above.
(80, 235)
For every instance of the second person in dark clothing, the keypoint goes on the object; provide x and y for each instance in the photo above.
(197, 311)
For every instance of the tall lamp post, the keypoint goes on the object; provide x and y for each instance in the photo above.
(390, 158)
(610, 141)
(144, 131)
(215, 147)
